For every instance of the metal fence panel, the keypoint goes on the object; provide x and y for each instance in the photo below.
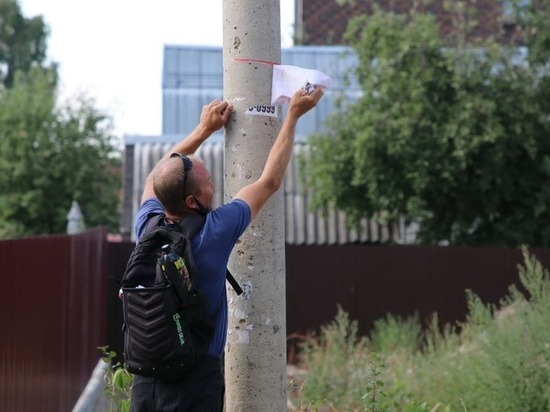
(53, 318)
(370, 281)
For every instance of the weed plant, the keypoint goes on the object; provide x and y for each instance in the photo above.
(497, 360)
(342, 370)
(118, 383)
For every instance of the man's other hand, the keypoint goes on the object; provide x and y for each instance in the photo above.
(215, 115)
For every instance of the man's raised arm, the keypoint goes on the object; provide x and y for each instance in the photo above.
(214, 116)
(256, 194)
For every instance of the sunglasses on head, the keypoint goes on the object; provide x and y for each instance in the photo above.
(187, 165)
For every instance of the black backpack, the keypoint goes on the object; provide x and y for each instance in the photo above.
(166, 326)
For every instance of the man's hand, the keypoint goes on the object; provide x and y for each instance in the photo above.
(256, 194)
(215, 115)
(301, 102)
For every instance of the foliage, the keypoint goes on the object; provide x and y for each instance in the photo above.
(341, 368)
(393, 332)
(498, 360)
(452, 138)
(50, 156)
(118, 383)
(50, 153)
(501, 358)
(22, 42)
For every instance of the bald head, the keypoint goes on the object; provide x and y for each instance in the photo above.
(169, 180)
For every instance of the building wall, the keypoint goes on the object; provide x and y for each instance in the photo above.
(323, 22)
(192, 77)
(302, 225)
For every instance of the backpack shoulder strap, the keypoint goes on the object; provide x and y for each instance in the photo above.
(152, 223)
(233, 282)
(186, 227)
(191, 224)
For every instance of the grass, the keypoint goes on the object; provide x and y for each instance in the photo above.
(497, 360)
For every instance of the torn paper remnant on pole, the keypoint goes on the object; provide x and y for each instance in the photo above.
(287, 79)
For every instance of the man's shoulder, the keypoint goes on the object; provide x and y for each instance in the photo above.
(149, 208)
(237, 208)
(231, 220)
(235, 204)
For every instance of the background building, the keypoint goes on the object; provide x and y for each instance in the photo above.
(323, 22)
(192, 77)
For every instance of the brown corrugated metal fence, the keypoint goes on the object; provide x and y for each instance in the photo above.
(53, 318)
(55, 309)
(370, 281)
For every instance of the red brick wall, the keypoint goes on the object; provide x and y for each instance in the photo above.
(324, 21)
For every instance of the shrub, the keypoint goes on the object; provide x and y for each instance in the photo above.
(497, 360)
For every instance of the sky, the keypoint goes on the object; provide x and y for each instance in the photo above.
(111, 50)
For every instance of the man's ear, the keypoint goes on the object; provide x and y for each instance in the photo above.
(190, 202)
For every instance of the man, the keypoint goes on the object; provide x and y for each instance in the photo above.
(181, 185)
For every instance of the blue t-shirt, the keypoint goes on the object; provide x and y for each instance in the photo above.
(211, 248)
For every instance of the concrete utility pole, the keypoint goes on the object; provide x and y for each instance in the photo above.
(255, 359)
